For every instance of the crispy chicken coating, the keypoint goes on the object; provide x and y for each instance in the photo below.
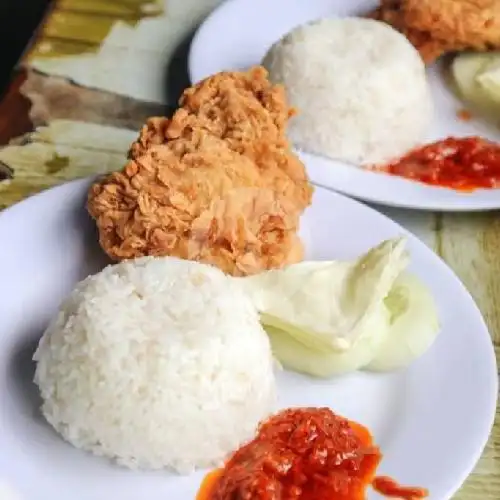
(436, 27)
(430, 48)
(470, 24)
(216, 183)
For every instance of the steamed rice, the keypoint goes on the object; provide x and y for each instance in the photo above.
(156, 363)
(360, 88)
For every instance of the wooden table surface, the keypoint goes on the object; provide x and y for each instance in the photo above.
(469, 243)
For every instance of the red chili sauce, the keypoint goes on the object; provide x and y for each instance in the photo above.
(390, 488)
(464, 115)
(300, 454)
(464, 164)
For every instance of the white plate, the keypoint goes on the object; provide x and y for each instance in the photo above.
(238, 34)
(431, 420)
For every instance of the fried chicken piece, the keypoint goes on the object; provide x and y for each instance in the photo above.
(436, 27)
(471, 24)
(215, 183)
(251, 116)
(429, 47)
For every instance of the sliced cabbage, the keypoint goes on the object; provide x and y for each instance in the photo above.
(299, 357)
(328, 306)
(489, 79)
(477, 78)
(413, 325)
(329, 318)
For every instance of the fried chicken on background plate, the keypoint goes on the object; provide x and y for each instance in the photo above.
(216, 183)
(470, 24)
(436, 27)
(392, 13)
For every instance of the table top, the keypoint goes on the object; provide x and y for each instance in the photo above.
(53, 131)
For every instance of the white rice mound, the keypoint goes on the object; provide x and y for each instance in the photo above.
(360, 88)
(156, 363)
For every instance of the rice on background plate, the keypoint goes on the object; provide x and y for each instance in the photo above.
(360, 88)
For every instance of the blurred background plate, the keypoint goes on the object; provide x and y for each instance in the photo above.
(238, 34)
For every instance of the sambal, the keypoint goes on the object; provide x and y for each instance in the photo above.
(463, 164)
(301, 453)
(388, 487)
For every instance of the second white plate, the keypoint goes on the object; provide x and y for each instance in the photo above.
(238, 34)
